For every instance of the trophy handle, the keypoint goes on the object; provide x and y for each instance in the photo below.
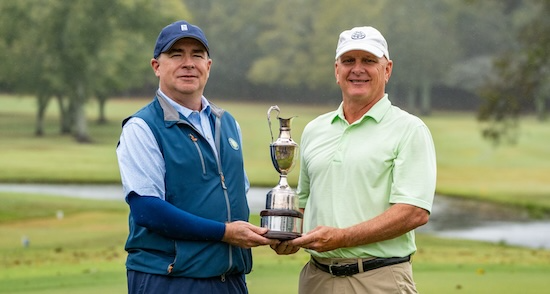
(276, 108)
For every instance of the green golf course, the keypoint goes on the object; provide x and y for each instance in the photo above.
(82, 251)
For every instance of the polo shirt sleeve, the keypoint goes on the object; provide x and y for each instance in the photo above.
(140, 161)
(414, 174)
(303, 188)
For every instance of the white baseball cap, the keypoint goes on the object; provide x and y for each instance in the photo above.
(362, 38)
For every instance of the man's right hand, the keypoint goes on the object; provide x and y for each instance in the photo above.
(246, 235)
(285, 248)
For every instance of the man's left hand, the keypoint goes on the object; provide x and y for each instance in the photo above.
(321, 239)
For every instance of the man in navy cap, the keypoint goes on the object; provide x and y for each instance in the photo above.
(182, 171)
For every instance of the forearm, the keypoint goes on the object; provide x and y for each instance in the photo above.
(165, 219)
(394, 222)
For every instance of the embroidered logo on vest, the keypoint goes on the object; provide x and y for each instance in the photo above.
(233, 143)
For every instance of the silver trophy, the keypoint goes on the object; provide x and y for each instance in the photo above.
(282, 216)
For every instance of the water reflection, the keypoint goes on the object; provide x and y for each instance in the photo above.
(474, 220)
(526, 234)
(451, 217)
(451, 213)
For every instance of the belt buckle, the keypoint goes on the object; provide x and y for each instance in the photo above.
(330, 270)
(338, 275)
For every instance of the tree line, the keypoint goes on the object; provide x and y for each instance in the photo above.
(73, 51)
(490, 56)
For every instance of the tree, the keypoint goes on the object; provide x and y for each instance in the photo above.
(71, 50)
(423, 45)
(125, 58)
(287, 53)
(232, 28)
(298, 46)
(522, 74)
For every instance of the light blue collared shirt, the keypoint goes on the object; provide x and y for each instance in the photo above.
(141, 163)
(199, 120)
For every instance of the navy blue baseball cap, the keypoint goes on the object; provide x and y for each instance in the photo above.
(176, 31)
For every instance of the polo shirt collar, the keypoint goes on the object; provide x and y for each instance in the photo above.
(377, 112)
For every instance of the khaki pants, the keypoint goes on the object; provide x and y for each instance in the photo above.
(390, 279)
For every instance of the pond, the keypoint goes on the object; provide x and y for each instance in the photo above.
(451, 217)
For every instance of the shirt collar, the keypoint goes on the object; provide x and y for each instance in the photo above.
(377, 111)
(184, 110)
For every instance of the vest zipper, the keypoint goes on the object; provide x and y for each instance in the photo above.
(171, 266)
(217, 141)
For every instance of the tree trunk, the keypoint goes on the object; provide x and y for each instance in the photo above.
(42, 101)
(540, 107)
(102, 99)
(426, 97)
(65, 125)
(81, 126)
(411, 99)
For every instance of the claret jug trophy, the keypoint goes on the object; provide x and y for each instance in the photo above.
(282, 216)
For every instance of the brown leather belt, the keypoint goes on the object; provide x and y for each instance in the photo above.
(352, 269)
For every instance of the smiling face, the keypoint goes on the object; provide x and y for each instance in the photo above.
(183, 71)
(362, 76)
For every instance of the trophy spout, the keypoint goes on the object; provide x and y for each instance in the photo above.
(285, 123)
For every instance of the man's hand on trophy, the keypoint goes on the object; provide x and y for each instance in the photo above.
(321, 239)
(284, 248)
(246, 235)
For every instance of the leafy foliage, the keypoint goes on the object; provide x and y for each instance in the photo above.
(75, 50)
(276, 50)
(522, 77)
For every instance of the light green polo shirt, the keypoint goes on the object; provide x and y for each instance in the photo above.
(352, 173)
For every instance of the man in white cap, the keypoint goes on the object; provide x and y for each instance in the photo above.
(183, 177)
(367, 180)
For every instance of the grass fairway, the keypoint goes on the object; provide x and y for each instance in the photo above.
(82, 253)
(467, 165)
(470, 167)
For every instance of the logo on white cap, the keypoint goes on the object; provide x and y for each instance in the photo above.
(358, 35)
(362, 38)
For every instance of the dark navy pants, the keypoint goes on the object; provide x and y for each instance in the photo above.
(142, 283)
